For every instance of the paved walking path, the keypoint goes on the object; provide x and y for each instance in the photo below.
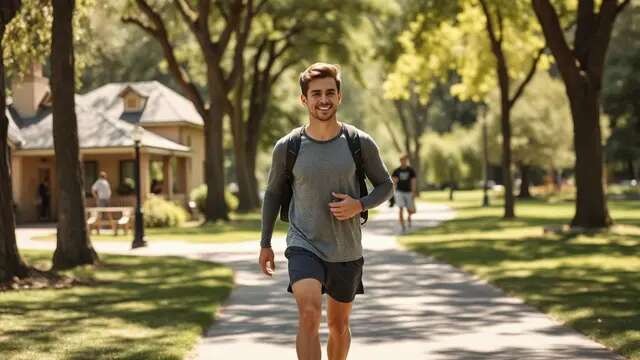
(414, 307)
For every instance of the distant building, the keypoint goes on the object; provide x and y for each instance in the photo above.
(172, 145)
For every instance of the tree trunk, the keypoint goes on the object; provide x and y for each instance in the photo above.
(247, 196)
(73, 246)
(524, 184)
(253, 136)
(216, 206)
(631, 168)
(416, 161)
(591, 205)
(582, 68)
(11, 264)
(505, 122)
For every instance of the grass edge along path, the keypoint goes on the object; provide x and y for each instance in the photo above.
(590, 282)
(136, 308)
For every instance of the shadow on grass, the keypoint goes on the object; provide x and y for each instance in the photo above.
(139, 311)
(591, 281)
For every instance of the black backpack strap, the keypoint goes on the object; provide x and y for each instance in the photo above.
(293, 147)
(356, 151)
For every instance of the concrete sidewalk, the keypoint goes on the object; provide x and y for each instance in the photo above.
(414, 307)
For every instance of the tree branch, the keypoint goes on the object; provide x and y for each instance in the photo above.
(554, 36)
(242, 34)
(599, 43)
(223, 12)
(622, 6)
(528, 78)
(159, 32)
(230, 27)
(187, 14)
(131, 20)
(283, 68)
(489, 24)
(585, 28)
(500, 26)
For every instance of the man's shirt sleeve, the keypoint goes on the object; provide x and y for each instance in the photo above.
(271, 201)
(376, 172)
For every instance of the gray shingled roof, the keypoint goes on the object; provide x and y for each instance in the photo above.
(14, 133)
(95, 130)
(163, 104)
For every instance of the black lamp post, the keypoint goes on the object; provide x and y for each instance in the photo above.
(138, 240)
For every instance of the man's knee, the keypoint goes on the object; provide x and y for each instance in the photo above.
(310, 315)
(338, 326)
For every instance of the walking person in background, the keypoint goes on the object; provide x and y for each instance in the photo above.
(405, 179)
(322, 166)
(101, 190)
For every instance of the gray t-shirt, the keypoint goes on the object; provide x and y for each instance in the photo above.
(323, 167)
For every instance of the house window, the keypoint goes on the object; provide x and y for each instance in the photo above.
(132, 103)
(90, 175)
(156, 174)
(127, 184)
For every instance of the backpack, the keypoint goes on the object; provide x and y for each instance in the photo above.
(293, 146)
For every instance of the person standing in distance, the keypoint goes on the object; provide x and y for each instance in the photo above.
(101, 190)
(324, 249)
(405, 179)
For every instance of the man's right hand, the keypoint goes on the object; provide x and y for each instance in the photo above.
(267, 262)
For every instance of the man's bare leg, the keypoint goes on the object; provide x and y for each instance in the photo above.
(339, 332)
(401, 218)
(308, 294)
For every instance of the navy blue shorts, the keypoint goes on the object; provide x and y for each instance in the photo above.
(341, 280)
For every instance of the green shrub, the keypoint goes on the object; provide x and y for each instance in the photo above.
(159, 212)
(199, 195)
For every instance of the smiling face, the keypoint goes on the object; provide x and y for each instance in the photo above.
(322, 99)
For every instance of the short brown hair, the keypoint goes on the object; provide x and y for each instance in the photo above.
(319, 71)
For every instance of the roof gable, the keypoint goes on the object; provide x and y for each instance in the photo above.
(162, 104)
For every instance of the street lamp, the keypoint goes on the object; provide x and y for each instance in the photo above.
(138, 239)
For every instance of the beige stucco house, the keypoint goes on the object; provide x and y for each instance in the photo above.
(172, 144)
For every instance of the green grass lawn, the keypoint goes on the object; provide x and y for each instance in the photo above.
(591, 282)
(138, 308)
(242, 227)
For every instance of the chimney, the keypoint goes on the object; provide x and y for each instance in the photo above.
(29, 92)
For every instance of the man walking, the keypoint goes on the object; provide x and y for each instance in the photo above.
(324, 249)
(405, 179)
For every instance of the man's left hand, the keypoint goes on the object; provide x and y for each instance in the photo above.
(346, 208)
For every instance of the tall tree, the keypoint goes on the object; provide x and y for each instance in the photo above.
(495, 24)
(582, 69)
(541, 129)
(73, 244)
(233, 20)
(11, 264)
(287, 34)
(413, 106)
(499, 35)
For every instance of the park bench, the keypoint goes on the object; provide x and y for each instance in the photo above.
(96, 218)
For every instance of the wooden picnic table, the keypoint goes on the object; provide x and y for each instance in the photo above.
(96, 218)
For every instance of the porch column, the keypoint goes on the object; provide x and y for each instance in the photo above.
(188, 176)
(144, 175)
(168, 176)
(16, 178)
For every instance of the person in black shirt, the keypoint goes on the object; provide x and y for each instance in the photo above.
(45, 197)
(405, 179)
